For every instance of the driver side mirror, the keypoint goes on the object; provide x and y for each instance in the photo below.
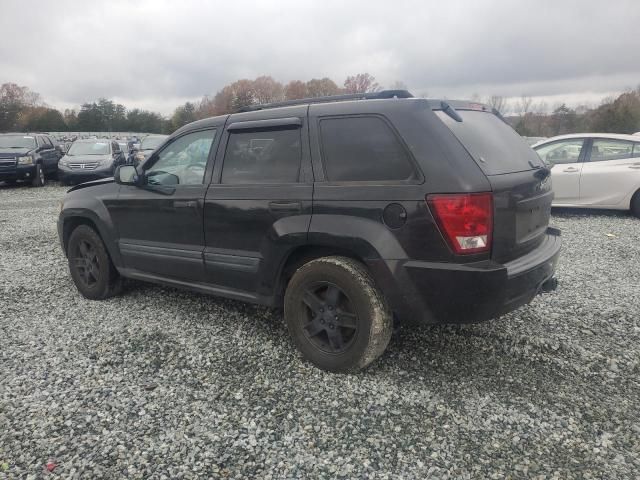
(126, 175)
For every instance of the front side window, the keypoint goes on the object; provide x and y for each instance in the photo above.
(264, 156)
(363, 149)
(604, 149)
(183, 161)
(565, 151)
(636, 150)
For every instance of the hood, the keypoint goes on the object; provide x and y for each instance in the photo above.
(86, 158)
(13, 152)
(93, 183)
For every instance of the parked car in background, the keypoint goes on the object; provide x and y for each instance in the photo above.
(148, 145)
(345, 210)
(124, 147)
(90, 159)
(28, 157)
(594, 170)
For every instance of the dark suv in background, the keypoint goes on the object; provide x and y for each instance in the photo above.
(344, 210)
(27, 157)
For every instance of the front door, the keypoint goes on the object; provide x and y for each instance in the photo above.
(565, 158)
(611, 171)
(160, 226)
(259, 206)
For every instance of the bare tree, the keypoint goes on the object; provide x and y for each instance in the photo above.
(499, 103)
(321, 87)
(524, 105)
(295, 90)
(361, 83)
(267, 90)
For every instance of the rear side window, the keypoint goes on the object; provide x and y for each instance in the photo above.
(495, 146)
(363, 149)
(263, 156)
(605, 149)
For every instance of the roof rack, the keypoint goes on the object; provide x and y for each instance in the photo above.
(384, 94)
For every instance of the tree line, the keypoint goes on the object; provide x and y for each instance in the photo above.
(24, 110)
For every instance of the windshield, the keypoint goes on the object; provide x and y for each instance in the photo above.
(89, 148)
(151, 143)
(495, 146)
(17, 141)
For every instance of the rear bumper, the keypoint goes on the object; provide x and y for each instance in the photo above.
(430, 292)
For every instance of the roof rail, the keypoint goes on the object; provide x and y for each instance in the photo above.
(331, 98)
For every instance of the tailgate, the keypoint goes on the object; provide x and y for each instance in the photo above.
(522, 207)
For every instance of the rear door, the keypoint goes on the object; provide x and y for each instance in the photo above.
(48, 154)
(565, 158)
(610, 173)
(522, 194)
(258, 206)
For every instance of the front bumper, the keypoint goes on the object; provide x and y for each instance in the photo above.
(431, 292)
(69, 176)
(18, 172)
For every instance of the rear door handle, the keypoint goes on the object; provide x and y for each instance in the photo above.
(571, 169)
(185, 204)
(284, 207)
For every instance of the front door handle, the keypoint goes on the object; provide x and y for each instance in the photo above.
(285, 207)
(571, 169)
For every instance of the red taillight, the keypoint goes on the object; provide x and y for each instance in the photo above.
(465, 220)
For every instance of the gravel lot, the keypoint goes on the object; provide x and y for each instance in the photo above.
(161, 383)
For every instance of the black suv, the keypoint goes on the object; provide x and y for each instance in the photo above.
(346, 211)
(28, 157)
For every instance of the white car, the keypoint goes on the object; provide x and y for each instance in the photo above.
(594, 170)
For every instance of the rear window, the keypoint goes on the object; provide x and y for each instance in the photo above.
(495, 146)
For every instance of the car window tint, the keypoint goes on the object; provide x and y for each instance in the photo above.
(183, 161)
(564, 151)
(605, 149)
(636, 150)
(363, 149)
(265, 156)
(47, 142)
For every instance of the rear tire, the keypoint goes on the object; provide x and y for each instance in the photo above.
(635, 204)
(336, 315)
(92, 271)
(38, 178)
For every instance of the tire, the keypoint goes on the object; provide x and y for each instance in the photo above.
(92, 271)
(335, 314)
(38, 178)
(635, 204)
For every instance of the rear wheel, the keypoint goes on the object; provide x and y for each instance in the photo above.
(635, 204)
(91, 268)
(38, 178)
(335, 314)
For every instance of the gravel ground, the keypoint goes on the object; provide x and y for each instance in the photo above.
(160, 383)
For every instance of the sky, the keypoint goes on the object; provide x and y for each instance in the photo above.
(157, 54)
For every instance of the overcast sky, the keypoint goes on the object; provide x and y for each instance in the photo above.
(157, 54)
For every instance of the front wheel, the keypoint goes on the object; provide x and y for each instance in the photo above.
(91, 268)
(336, 315)
(38, 178)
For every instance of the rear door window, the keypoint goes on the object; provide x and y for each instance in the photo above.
(263, 156)
(494, 145)
(363, 149)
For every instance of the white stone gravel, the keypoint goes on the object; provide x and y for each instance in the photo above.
(160, 383)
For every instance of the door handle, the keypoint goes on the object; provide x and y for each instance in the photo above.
(281, 207)
(185, 204)
(571, 169)
(635, 166)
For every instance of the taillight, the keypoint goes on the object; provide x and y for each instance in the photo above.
(465, 220)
